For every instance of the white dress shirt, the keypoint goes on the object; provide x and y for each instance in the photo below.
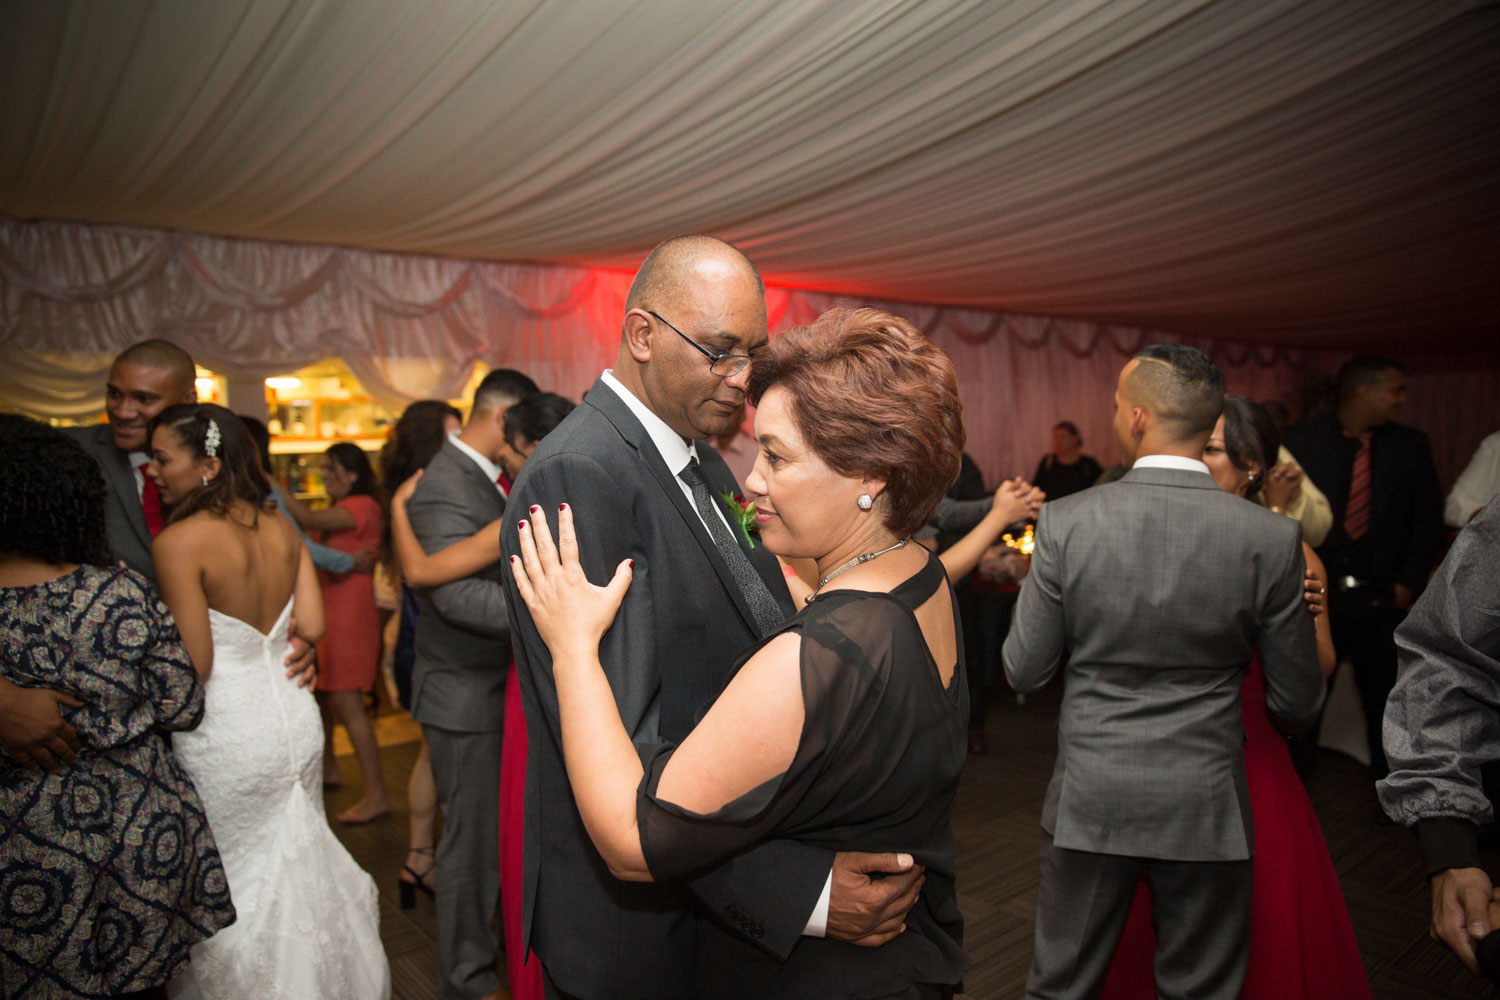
(1171, 462)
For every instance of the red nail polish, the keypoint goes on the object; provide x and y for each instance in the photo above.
(523, 525)
(535, 508)
(632, 564)
(562, 506)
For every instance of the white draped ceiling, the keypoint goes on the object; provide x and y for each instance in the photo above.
(272, 182)
(1309, 172)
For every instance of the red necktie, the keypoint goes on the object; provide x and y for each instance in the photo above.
(1357, 510)
(503, 481)
(151, 506)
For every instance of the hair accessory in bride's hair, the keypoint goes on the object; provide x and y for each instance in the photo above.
(211, 439)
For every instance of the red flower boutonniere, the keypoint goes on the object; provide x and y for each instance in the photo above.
(741, 514)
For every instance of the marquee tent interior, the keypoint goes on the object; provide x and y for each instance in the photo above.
(1041, 186)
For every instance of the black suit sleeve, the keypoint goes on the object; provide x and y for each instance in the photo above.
(1426, 530)
(774, 887)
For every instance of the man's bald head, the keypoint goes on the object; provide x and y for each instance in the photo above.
(1181, 388)
(163, 355)
(674, 264)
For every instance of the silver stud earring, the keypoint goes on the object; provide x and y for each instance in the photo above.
(205, 480)
(865, 501)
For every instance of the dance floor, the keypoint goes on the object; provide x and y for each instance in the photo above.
(996, 823)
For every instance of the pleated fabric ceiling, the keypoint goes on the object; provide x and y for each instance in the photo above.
(1322, 173)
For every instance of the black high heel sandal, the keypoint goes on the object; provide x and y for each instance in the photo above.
(407, 889)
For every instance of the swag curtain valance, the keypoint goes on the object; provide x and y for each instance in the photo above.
(411, 327)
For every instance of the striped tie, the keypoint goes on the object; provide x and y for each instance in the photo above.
(1357, 510)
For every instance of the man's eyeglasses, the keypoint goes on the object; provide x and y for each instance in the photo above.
(723, 365)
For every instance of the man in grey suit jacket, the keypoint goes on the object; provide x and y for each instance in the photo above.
(695, 314)
(1161, 587)
(458, 685)
(145, 379)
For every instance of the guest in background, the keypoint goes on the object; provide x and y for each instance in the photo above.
(458, 688)
(1442, 725)
(526, 423)
(1301, 941)
(145, 379)
(1066, 469)
(1129, 580)
(1388, 527)
(736, 446)
(1474, 487)
(349, 653)
(416, 438)
(1287, 490)
(323, 557)
(109, 870)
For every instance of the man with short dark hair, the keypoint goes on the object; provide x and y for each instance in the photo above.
(458, 684)
(145, 379)
(1160, 587)
(1381, 483)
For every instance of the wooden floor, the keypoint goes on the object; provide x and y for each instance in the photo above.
(996, 824)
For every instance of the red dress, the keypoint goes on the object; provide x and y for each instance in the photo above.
(525, 976)
(350, 650)
(1301, 941)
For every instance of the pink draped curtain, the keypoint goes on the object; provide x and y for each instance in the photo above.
(412, 326)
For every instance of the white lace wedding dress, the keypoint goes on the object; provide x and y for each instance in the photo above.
(309, 923)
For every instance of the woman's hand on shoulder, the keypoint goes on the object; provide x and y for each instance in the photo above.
(570, 613)
(406, 489)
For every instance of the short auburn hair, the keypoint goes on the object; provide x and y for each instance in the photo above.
(872, 397)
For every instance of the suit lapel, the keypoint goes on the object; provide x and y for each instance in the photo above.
(479, 483)
(116, 465)
(603, 398)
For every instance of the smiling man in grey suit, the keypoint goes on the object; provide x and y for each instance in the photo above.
(145, 379)
(458, 685)
(629, 462)
(1160, 586)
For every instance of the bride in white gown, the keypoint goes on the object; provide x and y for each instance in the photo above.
(236, 576)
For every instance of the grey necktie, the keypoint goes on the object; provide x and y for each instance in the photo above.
(763, 606)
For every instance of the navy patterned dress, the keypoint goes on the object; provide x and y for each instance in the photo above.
(108, 870)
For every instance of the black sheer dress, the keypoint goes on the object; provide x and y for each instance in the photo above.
(876, 769)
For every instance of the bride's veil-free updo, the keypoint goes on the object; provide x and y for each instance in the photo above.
(239, 476)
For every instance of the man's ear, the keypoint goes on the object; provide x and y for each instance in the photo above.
(635, 335)
(1139, 421)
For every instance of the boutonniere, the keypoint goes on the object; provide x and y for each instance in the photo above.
(740, 513)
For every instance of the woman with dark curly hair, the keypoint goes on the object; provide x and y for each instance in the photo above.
(845, 727)
(110, 873)
(417, 436)
(236, 577)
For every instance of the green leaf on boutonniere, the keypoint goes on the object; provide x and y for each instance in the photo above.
(741, 514)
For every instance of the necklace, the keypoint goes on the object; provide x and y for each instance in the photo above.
(857, 560)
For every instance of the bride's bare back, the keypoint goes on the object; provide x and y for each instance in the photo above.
(245, 564)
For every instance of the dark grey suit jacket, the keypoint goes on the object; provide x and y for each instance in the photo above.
(463, 631)
(669, 653)
(124, 521)
(1161, 587)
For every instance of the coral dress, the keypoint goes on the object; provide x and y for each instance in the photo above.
(1301, 941)
(350, 650)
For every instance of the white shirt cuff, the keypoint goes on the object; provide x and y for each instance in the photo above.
(817, 924)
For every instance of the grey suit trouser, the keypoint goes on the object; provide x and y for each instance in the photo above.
(466, 768)
(1201, 911)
